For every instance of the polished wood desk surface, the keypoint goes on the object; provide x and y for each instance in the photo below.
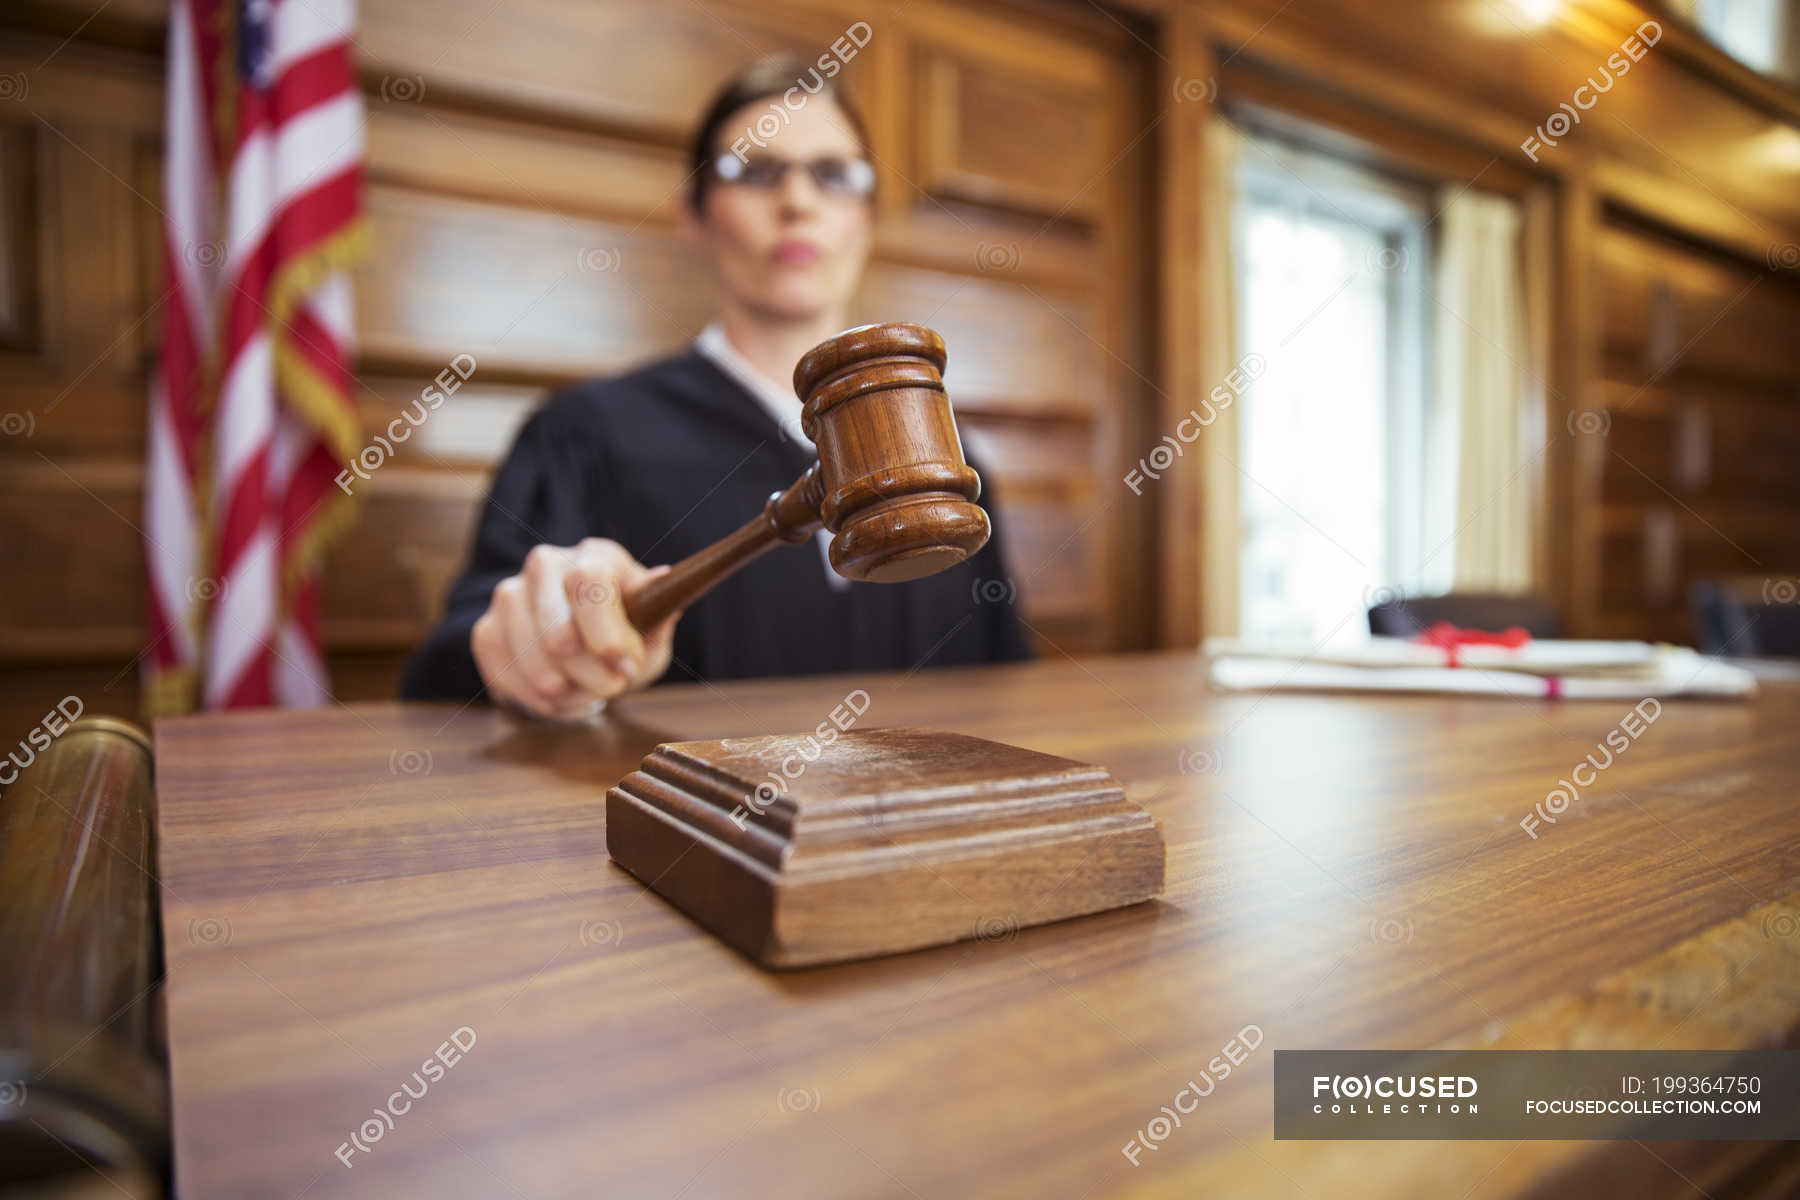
(346, 888)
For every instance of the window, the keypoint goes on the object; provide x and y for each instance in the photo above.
(1332, 434)
(1761, 34)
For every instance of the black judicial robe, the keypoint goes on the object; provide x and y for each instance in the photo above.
(666, 460)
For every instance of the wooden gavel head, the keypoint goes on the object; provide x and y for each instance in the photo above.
(891, 484)
(897, 494)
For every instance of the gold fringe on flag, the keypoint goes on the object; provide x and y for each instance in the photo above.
(329, 410)
(169, 693)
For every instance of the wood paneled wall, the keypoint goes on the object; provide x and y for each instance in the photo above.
(1041, 177)
(525, 170)
(1696, 472)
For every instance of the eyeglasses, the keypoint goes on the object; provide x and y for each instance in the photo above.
(849, 177)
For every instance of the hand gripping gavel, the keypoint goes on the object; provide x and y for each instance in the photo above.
(890, 482)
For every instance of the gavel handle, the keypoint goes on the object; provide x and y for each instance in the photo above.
(791, 516)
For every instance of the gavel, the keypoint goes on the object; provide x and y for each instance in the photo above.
(890, 482)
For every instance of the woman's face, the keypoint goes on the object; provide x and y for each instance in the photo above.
(794, 251)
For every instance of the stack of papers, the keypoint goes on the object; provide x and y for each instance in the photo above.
(1572, 670)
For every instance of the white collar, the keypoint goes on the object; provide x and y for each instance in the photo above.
(781, 404)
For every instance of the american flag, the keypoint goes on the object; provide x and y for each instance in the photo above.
(251, 412)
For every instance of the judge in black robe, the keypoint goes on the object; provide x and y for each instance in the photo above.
(666, 460)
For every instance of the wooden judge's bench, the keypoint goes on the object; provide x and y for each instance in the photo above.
(399, 961)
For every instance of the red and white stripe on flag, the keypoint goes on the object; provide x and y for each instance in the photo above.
(251, 409)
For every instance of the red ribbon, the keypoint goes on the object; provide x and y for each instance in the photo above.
(1451, 639)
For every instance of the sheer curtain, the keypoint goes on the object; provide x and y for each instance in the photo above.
(1220, 528)
(1479, 514)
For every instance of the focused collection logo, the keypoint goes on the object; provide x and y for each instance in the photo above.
(1394, 1095)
